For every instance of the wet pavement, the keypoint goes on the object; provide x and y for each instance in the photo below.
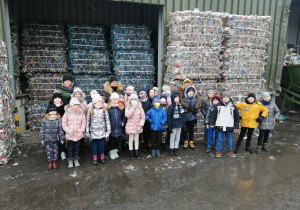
(194, 180)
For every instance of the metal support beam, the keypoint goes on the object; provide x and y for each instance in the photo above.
(160, 56)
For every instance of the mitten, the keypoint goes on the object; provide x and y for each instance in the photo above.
(43, 142)
(138, 129)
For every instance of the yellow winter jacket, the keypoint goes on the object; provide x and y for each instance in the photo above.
(250, 112)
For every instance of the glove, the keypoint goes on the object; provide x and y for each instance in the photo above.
(259, 119)
(189, 109)
(61, 141)
(134, 106)
(194, 111)
(43, 142)
(170, 129)
(68, 131)
(138, 129)
(107, 135)
(207, 126)
(150, 121)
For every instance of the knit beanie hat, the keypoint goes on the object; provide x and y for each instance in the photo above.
(114, 95)
(130, 87)
(67, 77)
(211, 91)
(143, 92)
(112, 78)
(266, 94)
(155, 100)
(121, 96)
(74, 101)
(163, 95)
(51, 107)
(93, 92)
(96, 98)
(187, 80)
(165, 87)
(155, 88)
(251, 95)
(225, 94)
(133, 96)
(56, 95)
(77, 89)
(216, 97)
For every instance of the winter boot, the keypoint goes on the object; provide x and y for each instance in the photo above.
(176, 151)
(76, 162)
(153, 153)
(192, 146)
(70, 165)
(50, 165)
(205, 141)
(258, 150)
(95, 161)
(264, 148)
(218, 154)
(137, 155)
(158, 153)
(54, 164)
(171, 151)
(131, 154)
(248, 149)
(186, 144)
(236, 151)
(112, 154)
(63, 156)
(102, 160)
(116, 153)
(208, 149)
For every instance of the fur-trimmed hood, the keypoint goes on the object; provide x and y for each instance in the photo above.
(69, 111)
(121, 106)
(186, 93)
(108, 89)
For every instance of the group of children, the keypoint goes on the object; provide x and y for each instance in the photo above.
(147, 116)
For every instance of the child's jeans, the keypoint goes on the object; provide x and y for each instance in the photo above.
(73, 150)
(52, 151)
(98, 144)
(175, 138)
(228, 136)
(134, 138)
(156, 139)
(205, 131)
(210, 136)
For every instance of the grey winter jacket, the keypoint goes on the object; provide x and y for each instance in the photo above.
(205, 106)
(51, 130)
(98, 126)
(268, 122)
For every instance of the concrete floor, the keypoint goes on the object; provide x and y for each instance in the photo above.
(194, 180)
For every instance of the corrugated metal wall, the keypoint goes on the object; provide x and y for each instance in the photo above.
(107, 12)
(294, 23)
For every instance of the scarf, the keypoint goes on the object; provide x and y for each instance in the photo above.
(69, 88)
(114, 88)
(143, 100)
(98, 106)
(178, 109)
(266, 102)
(52, 117)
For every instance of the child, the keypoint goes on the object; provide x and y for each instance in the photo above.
(129, 90)
(117, 120)
(66, 89)
(225, 119)
(122, 141)
(93, 92)
(156, 91)
(164, 104)
(215, 101)
(204, 108)
(51, 132)
(122, 99)
(80, 95)
(146, 104)
(98, 127)
(250, 113)
(157, 117)
(135, 121)
(74, 123)
(267, 124)
(190, 116)
(150, 94)
(175, 122)
(168, 92)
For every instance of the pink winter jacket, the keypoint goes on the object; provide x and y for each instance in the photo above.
(135, 118)
(85, 106)
(74, 124)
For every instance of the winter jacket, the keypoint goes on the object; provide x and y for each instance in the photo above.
(250, 112)
(165, 107)
(268, 122)
(117, 119)
(108, 90)
(51, 130)
(208, 115)
(181, 91)
(191, 102)
(135, 118)
(225, 117)
(98, 125)
(66, 94)
(174, 122)
(147, 105)
(74, 123)
(205, 106)
(156, 117)
(82, 102)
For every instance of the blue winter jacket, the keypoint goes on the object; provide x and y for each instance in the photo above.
(156, 117)
(191, 102)
(117, 118)
(174, 122)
